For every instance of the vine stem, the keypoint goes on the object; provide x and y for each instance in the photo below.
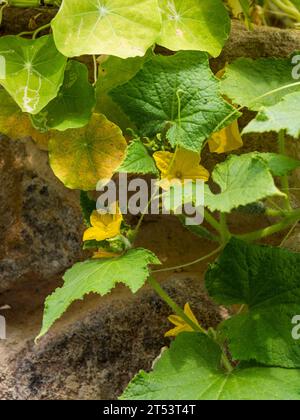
(95, 69)
(284, 178)
(173, 305)
(40, 29)
(199, 260)
(290, 218)
(143, 215)
(212, 221)
(225, 234)
(3, 5)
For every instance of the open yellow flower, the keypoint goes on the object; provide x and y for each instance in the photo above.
(180, 324)
(226, 140)
(104, 226)
(181, 165)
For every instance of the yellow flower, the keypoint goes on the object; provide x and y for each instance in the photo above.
(181, 165)
(180, 324)
(102, 253)
(226, 140)
(104, 226)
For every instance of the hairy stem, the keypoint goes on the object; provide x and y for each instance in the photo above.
(284, 178)
(289, 220)
(212, 221)
(225, 233)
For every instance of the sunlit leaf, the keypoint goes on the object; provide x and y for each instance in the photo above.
(285, 115)
(98, 276)
(191, 25)
(257, 83)
(34, 71)
(243, 180)
(123, 28)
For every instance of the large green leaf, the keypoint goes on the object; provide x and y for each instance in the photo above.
(73, 106)
(124, 28)
(138, 160)
(191, 25)
(98, 276)
(190, 370)
(113, 72)
(34, 71)
(279, 165)
(284, 115)
(268, 281)
(82, 157)
(243, 180)
(296, 3)
(178, 94)
(257, 83)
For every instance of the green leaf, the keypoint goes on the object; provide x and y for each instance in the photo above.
(87, 207)
(268, 281)
(82, 157)
(138, 160)
(123, 28)
(200, 231)
(190, 25)
(190, 370)
(73, 106)
(113, 72)
(98, 276)
(243, 180)
(250, 82)
(177, 94)
(285, 115)
(34, 71)
(279, 165)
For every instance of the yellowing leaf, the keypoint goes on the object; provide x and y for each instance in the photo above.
(226, 140)
(180, 324)
(82, 157)
(17, 125)
(181, 165)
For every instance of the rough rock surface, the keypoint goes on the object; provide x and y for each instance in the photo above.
(40, 220)
(96, 356)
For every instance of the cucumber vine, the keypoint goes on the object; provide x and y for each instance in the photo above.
(148, 105)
